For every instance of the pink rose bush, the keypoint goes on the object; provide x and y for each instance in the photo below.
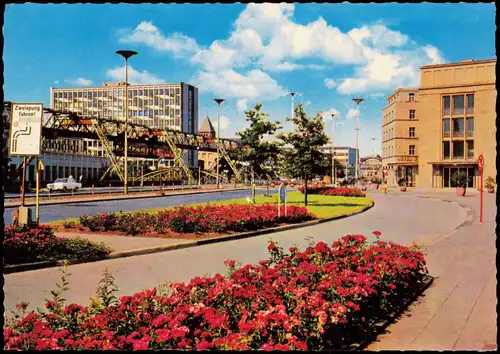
(23, 244)
(320, 298)
(209, 218)
(341, 192)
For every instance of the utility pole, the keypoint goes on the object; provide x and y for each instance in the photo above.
(218, 101)
(356, 167)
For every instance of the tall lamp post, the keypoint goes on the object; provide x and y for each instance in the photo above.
(293, 106)
(374, 148)
(356, 168)
(126, 54)
(333, 149)
(219, 101)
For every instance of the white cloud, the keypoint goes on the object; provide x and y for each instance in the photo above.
(224, 124)
(255, 84)
(242, 105)
(79, 82)
(56, 82)
(393, 60)
(134, 77)
(330, 83)
(147, 33)
(351, 113)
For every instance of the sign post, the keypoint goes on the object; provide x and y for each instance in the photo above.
(480, 164)
(384, 175)
(282, 198)
(39, 168)
(25, 140)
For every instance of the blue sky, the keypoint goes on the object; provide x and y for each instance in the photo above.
(247, 54)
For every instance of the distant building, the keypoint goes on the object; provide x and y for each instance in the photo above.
(208, 159)
(370, 166)
(344, 155)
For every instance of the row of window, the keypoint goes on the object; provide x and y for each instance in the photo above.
(389, 133)
(133, 102)
(389, 151)
(116, 92)
(458, 105)
(389, 117)
(458, 150)
(51, 173)
(458, 127)
(411, 98)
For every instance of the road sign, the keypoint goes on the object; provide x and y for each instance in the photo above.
(282, 192)
(267, 163)
(480, 162)
(26, 129)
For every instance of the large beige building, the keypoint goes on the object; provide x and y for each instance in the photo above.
(400, 131)
(452, 123)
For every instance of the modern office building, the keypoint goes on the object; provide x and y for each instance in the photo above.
(344, 155)
(162, 106)
(442, 127)
(400, 131)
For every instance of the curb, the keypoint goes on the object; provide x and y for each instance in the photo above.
(17, 268)
(56, 202)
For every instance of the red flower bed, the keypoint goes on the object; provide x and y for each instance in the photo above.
(23, 244)
(210, 218)
(343, 192)
(311, 300)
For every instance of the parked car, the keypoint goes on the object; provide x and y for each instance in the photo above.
(64, 184)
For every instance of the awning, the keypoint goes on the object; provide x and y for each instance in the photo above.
(454, 163)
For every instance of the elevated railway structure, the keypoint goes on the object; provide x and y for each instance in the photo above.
(143, 142)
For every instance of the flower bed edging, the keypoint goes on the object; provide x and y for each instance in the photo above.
(8, 269)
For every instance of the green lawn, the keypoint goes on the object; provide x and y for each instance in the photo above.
(322, 206)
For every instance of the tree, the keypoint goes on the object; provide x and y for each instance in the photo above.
(304, 158)
(255, 151)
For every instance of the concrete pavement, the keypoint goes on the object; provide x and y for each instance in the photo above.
(458, 312)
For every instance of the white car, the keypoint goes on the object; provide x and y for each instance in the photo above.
(64, 184)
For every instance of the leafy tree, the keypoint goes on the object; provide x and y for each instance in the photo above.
(304, 158)
(255, 151)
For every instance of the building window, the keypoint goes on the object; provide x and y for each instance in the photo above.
(446, 105)
(470, 127)
(470, 104)
(470, 149)
(412, 132)
(446, 150)
(411, 150)
(446, 128)
(458, 150)
(411, 97)
(458, 105)
(458, 128)
(412, 114)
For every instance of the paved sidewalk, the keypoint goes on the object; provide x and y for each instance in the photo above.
(458, 312)
(125, 243)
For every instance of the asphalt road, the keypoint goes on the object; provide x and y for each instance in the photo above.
(100, 190)
(400, 219)
(64, 211)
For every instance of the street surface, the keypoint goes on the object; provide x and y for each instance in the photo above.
(104, 190)
(64, 211)
(399, 219)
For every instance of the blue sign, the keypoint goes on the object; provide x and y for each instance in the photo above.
(267, 163)
(282, 192)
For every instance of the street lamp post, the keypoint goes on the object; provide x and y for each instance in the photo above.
(126, 54)
(374, 149)
(356, 167)
(333, 150)
(293, 106)
(218, 101)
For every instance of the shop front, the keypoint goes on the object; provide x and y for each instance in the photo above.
(405, 167)
(443, 174)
